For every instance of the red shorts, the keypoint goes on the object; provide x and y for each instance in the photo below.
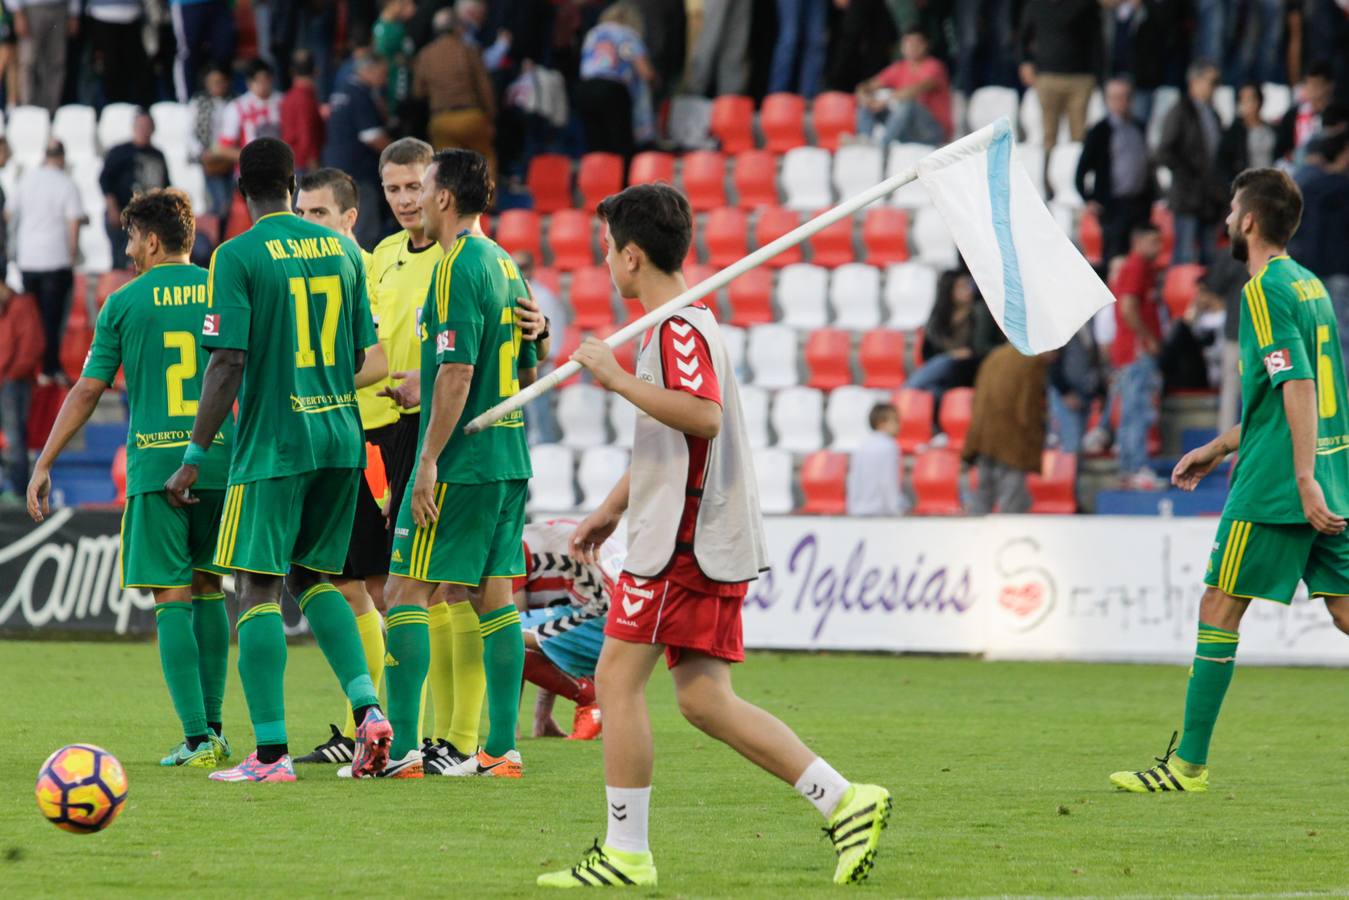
(663, 612)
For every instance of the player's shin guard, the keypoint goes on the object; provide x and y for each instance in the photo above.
(1214, 661)
(542, 671)
(178, 658)
(408, 658)
(504, 661)
(334, 627)
(211, 626)
(470, 679)
(262, 671)
(440, 675)
(370, 627)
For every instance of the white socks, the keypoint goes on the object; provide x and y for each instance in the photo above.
(629, 811)
(821, 785)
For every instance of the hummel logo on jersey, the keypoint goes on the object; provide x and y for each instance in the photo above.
(445, 342)
(687, 366)
(680, 328)
(692, 383)
(685, 348)
(1278, 361)
(210, 326)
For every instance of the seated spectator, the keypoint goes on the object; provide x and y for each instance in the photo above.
(209, 113)
(130, 169)
(613, 98)
(357, 134)
(1138, 339)
(1007, 429)
(1303, 121)
(1248, 143)
(873, 472)
(301, 119)
(449, 76)
(21, 348)
(1192, 355)
(959, 332)
(911, 98)
(1114, 174)
(1076, 381)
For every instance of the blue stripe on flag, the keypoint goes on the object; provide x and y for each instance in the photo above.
(1000, 198)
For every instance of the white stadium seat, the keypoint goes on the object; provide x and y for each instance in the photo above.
(1032, 158)
(771, 353)
(901, 157)
(599, 471)
(798, 419)
(174, 123)
(935, 244)
(95, 248)
(690, 121)
(910, 292)
(115, 124)
(1225, 103)
(75, 126)
(552, 489)
(801, 292)
(988, 104)
(190, 179)
(733, 337)
(856, 168)
(1163, 99)
(85, 175)
(805, 179)
(773, 470)
(855, 296)
(846, 415)
(1278, 98)
(27, 134)
(754, 405)
(581, 413)
(1063, 174)
(622, 419)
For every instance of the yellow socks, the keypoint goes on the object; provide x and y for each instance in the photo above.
(470, 681)
(440, 677)
(370, 627)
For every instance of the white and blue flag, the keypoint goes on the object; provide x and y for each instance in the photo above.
(1037, 285)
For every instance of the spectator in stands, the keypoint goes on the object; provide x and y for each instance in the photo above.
(1225, 279)
(1303, 120)
(1076, 381)
(873, 471)
(301, 119)
(1321, 242)
(4, 230)
(1189, 144)
(1192, 352)
(986, 43)
(43, 28)
(1138, 341)
(254, 114)
(720, 60)
(1259, 52)
(391, 42)
(21, 352)
(208, 109)
(959, 332)
(203, 31)
(1060, 47)
(911, 97)
(1248, 143)
(46, 214)
(665, 35)
(130, 169)
(449, 75)
(357, 134)
(540, 418)
(114, 28)
(614, 94)
(1114, 174)
(1007, 429)
(799, 52)
(1140, 43)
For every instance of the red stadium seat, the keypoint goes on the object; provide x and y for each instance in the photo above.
(75, 343)
(704, 180)
(1054, 488)
(651, 166)
(915, 418)
(1180, 286)
(727, 236)
(696, 273)
(733, 123)
(936, 483)
(832, 247)
(632, 309)
(108, 283)
(485, 221)
(881, 355)
(600, 175)
(885, 234)
(569, 239)
(783, 120)
(1162, 218)
(569, 340)
(1090, 239)
(209, 226)
(549, 278)
(119, 474)
(752, 298)
(957, 407)
(549, 181)
(518, 229)
(626, 356)
(592, 299)
(773, 222)
(824, 482)
(833, 115)
(828, 352)
(755, 179)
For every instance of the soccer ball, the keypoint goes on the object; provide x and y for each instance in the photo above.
(81, 788)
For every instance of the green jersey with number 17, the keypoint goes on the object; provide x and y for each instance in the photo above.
(469, 317)
(291, 295)
(1288, 332)
(149, 328)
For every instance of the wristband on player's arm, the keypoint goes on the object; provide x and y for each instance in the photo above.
(194, 455)
(544, 334)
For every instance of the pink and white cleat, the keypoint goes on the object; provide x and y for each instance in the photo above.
(253, 770)
(373, 739)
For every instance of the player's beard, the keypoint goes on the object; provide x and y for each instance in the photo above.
(1241, 250)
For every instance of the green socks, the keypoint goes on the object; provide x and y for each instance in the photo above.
(178, 658)
(408, 649)
(334, 627)
(262, 670)
(211, 625)
(503, 650)
(1214, 660)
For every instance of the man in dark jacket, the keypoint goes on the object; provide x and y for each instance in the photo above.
(130, 169)
(1114, 174)
(1061, 47)
(1191, 135)
(1141, 38)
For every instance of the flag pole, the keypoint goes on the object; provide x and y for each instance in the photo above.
(798, 235)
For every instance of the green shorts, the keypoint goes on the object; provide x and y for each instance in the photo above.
(303, 519)
(1253, 560)
(479, 534)
(163, 545)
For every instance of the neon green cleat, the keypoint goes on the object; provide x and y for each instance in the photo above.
(855, 830)
(201, 758)
(605, 867)
(1165, 777)
(221, 745)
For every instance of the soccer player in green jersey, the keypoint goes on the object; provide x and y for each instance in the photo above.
(1283, 521)
(461, 522)
(287, 324)
(150, 329)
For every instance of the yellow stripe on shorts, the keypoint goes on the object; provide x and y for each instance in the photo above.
(1228, 544)
(1241, 553)
(1232, 554)
(229, 525)
(422, 558)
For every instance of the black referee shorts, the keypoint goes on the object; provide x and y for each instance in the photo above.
(371, 534)
(397, 445)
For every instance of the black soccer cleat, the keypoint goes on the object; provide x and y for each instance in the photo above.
(337, 749)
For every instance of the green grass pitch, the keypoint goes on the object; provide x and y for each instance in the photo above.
(998, 770)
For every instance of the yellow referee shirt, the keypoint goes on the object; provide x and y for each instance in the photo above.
(397, 277)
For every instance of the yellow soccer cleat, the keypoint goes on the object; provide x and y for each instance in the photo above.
(1164, 777)
(855, 830)
(605, 867)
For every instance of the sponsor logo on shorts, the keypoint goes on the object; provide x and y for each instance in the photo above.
(445, 342)
(642, 596)
(401, 532)
(210, 326)
(1278, 361)
(632, 609)
(397, 557)
(628, 623)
